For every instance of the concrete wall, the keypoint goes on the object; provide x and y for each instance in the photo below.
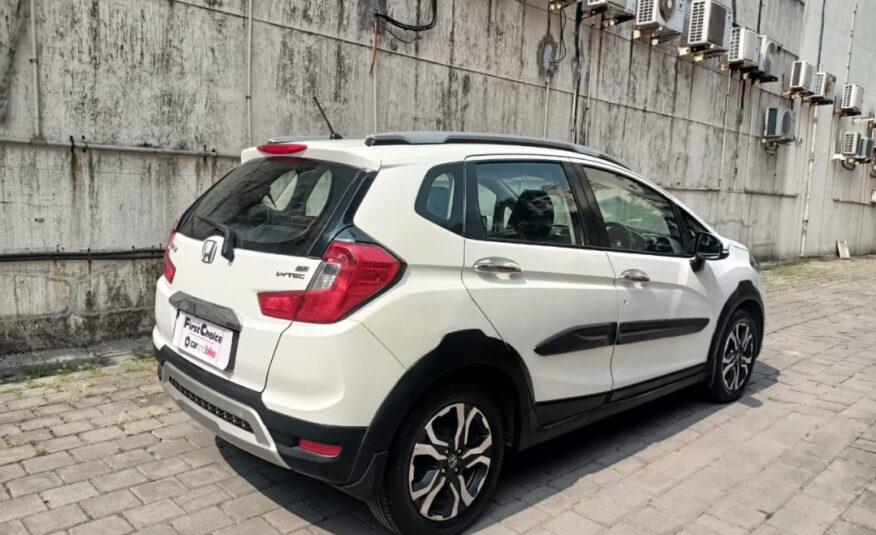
(169, 76)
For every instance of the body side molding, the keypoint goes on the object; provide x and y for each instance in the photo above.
(641, 331)
(578, 338)
(604, 334)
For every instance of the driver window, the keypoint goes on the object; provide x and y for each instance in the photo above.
(636, 217)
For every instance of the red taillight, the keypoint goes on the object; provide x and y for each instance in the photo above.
(169, 268)
(326, 450)
(350, 274)
(281, 148)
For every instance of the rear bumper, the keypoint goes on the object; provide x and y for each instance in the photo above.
(239, 416)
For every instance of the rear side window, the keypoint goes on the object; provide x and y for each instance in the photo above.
(440, 197)
(273, 205)
(527, 202)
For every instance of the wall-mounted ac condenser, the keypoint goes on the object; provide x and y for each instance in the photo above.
(613, 11)
(801, 78)
(743, 51)
(660, 18)
(865, 150)
(849, 146)
(709, 26)
(778, 125)
(822, 92)
(852, 100)
(764, 71)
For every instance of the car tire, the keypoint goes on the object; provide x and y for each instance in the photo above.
(430, 487)
(734, 358)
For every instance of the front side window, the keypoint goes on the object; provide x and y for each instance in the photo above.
(636, 217)
(527, 202)
(273, 205)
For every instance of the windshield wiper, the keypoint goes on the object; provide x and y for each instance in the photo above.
(228, 244)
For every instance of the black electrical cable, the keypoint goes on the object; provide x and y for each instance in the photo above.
(130, 254)
(396, 36)
(561, 47)
(412, 27)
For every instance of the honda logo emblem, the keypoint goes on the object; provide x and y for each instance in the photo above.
(208, 252)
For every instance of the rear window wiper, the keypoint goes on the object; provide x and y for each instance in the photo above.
(229, 235)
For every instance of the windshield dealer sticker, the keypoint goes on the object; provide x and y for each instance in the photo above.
(203, 340)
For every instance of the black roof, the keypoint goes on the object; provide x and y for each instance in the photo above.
(438, 138)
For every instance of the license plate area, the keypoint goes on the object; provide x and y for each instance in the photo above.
(203, 340)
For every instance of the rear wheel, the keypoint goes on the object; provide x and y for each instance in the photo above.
(734, 360)
(444, 465)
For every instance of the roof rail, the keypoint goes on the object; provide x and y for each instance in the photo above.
(439, 138)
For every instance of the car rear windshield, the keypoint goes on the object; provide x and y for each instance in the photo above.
(274, 205)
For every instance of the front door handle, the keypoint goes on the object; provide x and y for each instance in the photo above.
(497, 266)
(635, 275)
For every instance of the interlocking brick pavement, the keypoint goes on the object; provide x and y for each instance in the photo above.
(106, 452)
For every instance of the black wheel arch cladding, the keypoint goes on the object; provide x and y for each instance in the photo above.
(747, 297)
(457, 352)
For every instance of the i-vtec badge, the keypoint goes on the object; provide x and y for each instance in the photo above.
(290, 275)
(208, 253)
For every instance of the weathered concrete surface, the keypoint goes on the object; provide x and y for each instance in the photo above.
(172, 74)
(87, 302)
(106, 451)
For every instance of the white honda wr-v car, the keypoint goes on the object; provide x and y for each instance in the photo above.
(396, 315)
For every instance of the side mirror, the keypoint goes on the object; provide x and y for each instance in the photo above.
(706, 247)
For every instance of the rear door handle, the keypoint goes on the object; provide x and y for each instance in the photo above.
(635, 275)
(497, 266)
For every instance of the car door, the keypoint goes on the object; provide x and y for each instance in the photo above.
(667, 315)
(526, 266)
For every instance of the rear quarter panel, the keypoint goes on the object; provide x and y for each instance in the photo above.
(430, 300)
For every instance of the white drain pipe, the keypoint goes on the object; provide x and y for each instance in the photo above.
(37, 133)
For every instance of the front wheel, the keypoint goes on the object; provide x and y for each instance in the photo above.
(444, 465)
(734, 358)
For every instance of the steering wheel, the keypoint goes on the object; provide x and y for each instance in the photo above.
(619, 236)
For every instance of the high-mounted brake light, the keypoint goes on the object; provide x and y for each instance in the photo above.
(169, 267)
(281, 148)
(350, 274)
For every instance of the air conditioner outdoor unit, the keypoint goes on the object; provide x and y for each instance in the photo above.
(743, 48)
(660, 19)
(853, 100)
(849, 146)
(766, 54)
(822, 93)
(865, 149)
(614, 11)
(778, 125)
(709, 26)
(801, 78)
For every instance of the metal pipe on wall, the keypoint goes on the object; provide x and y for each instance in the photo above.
(579, 15)
(120, 148)
(810, 164)
(35, 73)
(249, 73)
(547, 96)
(810, 167)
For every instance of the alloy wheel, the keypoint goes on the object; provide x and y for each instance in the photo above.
(450, 462)
(738, 356)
